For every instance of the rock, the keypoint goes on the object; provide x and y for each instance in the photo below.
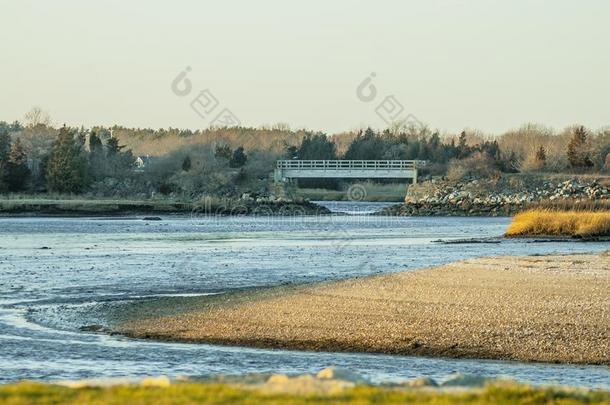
(278, 379)
(465, 380)
(304, 384)
(151, 219)
(337, 373)
(94, 328)
(96, 382)
(159, 382)
(421, 382)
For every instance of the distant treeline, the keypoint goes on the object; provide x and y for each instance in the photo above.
(35, 157)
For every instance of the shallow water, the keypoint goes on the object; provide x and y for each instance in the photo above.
(57, 274)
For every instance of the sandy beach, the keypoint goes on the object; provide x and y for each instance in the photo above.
(537, 308)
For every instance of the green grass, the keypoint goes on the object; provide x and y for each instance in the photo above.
(197, 393)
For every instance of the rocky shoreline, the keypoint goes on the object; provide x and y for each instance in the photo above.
(499, 197)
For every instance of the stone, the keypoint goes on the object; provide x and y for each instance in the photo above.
(93, 328)
(421, 382)
(337, 373)
(159, 382)
(465, 380)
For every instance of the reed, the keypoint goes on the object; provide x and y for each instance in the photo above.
(572, 223)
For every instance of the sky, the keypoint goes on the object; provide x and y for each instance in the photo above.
(452, 64)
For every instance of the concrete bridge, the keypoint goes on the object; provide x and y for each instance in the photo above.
(348, 169)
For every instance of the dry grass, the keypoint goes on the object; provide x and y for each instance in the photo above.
(573, 223)
(569, 204)
(200, 393)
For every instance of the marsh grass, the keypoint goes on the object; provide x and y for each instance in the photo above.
(375, 192)
(573, 205)
(200, 393)
(571, 223)
(69, 204)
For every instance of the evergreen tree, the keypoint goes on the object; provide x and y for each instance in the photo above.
(366, 146)
(97, 158)
(316, 147)
(541, 155)
(463, 150)
(223, 152)
(5, 147)
(578, 153)
(239, 158)
(113, 147)
(67, 166)
(17, 171)
(186, 163)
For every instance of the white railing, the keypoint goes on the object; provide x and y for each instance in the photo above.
(350, 164)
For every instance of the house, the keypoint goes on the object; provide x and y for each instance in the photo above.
(142, 162)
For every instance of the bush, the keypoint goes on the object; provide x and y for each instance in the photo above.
(477, 166)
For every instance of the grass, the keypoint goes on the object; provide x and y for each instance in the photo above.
(198, 393)
(572, 223)
(372, 192)
(71, 205)
(573, 205)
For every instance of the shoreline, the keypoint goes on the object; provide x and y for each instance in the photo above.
(90, 207)
(504, 308)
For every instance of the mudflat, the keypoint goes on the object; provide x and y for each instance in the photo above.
(536, 308)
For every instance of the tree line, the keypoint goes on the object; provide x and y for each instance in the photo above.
(36, 157)
(75, 159)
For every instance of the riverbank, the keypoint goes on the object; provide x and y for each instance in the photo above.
(503, 196)
(210, 207)
(512, 308)
(154, 391)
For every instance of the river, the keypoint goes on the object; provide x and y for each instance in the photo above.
(57, 274)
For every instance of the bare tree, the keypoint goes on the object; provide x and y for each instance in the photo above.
(36, 116)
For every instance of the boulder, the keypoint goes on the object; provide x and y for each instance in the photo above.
(337, 373)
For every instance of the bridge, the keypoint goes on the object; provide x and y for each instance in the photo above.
(349, 169)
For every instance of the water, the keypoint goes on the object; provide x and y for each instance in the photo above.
(57, 273)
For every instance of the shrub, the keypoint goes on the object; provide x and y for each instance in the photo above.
(477, 166)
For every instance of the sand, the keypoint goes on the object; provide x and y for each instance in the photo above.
(538, 308)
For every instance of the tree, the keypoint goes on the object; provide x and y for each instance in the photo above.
(67, 166)
(17, 171)
(186, 163)
(97, 158)
(578, 151)
(366, 146)
(36, 116)
(463, 150)
(541, 155)
(223, 152)
(5, 147)
(239, 158)
(113, 147)
(118, 162)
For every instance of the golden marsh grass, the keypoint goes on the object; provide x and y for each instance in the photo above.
(201, 393)
(573, 223)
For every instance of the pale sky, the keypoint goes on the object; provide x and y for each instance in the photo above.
(486, 64)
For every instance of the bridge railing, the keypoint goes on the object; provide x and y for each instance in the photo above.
(349, 164)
